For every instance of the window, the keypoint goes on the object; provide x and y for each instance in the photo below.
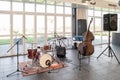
(50, 8)
(90, 12)
(29, 25)
(40, 8)
(59, 24)
(4, 5)
(50, 2)
(59, 9)
(68, 10)
(40, 24)
(5, 24)
(40, 1)
(68, 24)
(17, 6)
(50, 24)
(98, 24)
(17, 24)
(29, 7)
(98, 13)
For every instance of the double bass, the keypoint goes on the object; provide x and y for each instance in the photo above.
(86, 48)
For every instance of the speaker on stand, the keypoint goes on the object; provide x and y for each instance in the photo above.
(110, 24)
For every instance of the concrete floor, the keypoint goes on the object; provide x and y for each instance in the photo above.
(103, 68)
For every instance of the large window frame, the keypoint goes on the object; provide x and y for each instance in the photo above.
(33, 8)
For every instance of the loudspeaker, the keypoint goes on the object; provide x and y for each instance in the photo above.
(82, 26)
(61, 51)
(110, 22)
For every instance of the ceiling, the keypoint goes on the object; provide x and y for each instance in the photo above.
(99, 3)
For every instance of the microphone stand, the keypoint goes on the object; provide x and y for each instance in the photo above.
(16, 43)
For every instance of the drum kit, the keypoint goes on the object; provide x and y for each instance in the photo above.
(40, 58)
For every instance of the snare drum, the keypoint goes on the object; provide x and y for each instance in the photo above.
(45, 60)
(47, 47)
(32, 53)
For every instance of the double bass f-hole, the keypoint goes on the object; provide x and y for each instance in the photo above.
(86, 48)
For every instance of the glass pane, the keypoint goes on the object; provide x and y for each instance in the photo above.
(30, 42)
(17, 6)
(104, 13)
(59, 3)
(90, 12)
(68, 10)
(50, 24)
(98, 13)
(105, 9)
(59, 9)
(17, 0)
(50, 8)
(98, 8)
(97, 39)
(4, 5)
(40, 24)
(98, 24)
(118, 25)
(29, 7)
(31, 0)
(68, 41)
(50, 2)
(59, 24)
(40, 8)
(105, 37)
(41, 40)
(118, 15)
(17, 24)
(29, 25)
(4, 46)
(68, 26)
(4, 24)
(67, 4)
(40, 1)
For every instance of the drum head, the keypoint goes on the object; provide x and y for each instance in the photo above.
(43, 60)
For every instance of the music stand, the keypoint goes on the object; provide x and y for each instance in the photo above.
(16, 43)
(110, 50)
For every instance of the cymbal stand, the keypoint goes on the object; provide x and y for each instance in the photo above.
(110, 50)
(17, 43)
(59, 39)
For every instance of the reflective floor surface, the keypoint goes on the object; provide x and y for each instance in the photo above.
(103, 68)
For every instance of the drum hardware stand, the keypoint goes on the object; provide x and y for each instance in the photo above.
(48, 63)
(110, 50)
(17, 43)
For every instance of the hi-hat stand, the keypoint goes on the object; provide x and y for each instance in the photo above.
(110, 50)
(16, 43)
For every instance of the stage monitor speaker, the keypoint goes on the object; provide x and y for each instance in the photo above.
(110, 22)
(82, 26)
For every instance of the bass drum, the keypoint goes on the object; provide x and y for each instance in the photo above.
(45, 60)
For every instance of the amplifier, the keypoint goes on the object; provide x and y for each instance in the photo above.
(61, 52)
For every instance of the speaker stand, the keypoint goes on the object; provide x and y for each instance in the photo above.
(110, 50)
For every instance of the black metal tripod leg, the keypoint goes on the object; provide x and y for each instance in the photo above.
(15, 72)
(11, 73)
(103, 52)
(115, 56)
